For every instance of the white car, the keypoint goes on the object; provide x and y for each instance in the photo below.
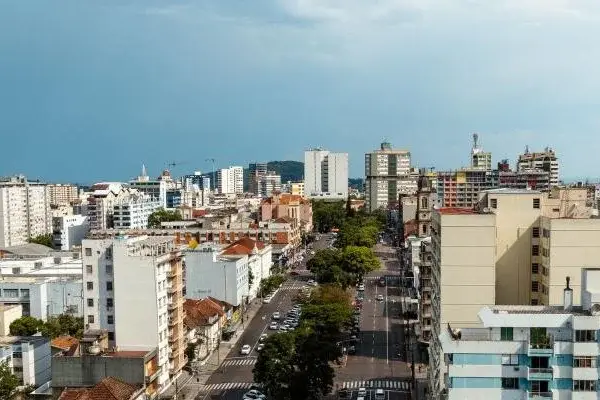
(379, 394)
(276, 315)
(361, 287)
(245, 350)
(263, 337)
(267, 299)
(260, 347)
(274, 326)
(362, 392)
(254, 395)
(379, 297)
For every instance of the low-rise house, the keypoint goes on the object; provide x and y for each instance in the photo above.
(288, 205)
(107, 389)
(204, 320)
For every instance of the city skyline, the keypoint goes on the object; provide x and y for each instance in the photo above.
(274, 78)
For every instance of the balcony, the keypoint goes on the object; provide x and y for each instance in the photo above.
(173, 305)
(152, 376)
(541, 349)
(539, 374)
(174, 289)
(539, 395)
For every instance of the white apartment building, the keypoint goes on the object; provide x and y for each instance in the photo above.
(133, 212)
(28, 357)
(133, 289)
(62, 194)
(387, 175)
(24, 211)
(68, 231)
(223, 272)
(528, 352)
(268, 184)
(545, 161)
(230, 180)
(101, 203)
(325, 174)
(480, 160)
(156, 189)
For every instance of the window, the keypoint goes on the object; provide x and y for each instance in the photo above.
(18, 369)
(109, 302)
(111, 336)
(88, 251)
(90, 302)
(90, 319)
(584, 386)
(17, 354)
(109, 286)
(545, 252)
(535, 250)
(536, 203)
(89, 269)
(110, 319)
(584, 362)
(534, 302)
(510, 359)
(90, 285)
(535, 232)
(109, 269)
(424, 229)
(108, 254)
(25, 293)
(510, 383)
(545, 233)
(493, 203)
(506, 334)
(11, 293)
(585, 336)
(535, 268)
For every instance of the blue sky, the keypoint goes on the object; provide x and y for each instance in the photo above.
(91, 89)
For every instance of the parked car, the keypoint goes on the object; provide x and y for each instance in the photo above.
(276, 315)
(274, 326)
(260, 347)
(267, 299)
(245, 350)
(352, 350)
(379, 297)
(263, 337)
(379, 394)
(362, 392)
(254, 395)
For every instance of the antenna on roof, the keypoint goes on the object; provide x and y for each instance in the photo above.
(475, 140)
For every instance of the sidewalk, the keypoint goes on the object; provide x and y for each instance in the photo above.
(212, 363)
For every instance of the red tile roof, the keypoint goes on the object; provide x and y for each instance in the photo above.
(107, 389)
(244, 245)
(64, 342)
(457, 211)
(199, 312)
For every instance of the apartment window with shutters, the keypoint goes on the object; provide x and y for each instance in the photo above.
(90, 285)
(90, 319)
(90, 302)
(535, 232)
(534, 286)
(109, 303)
(585, 336)
(534, 302)
(535, 268)
(109, 286)
(536, 203)
(89, 269)
(506, 334)
(110, 319)
(535, 250)
(88, 251)
(493, 203)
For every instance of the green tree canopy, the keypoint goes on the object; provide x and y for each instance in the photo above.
(45, 240)
(328, 215)
(274, 368)
(63, 324)
(163, 215)
(359, 260)
(8, 382)
(25, 326)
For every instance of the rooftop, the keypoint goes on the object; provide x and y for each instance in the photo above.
(27, 249)
(511, 191)
(107, 389)
(457, 211)
(64, 342)
(524, 309)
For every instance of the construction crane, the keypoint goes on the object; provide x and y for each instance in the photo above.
(214, 172)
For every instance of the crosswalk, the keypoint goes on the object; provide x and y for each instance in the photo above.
(376, 384)
(381, 384)
(239, 362)
(293, 285)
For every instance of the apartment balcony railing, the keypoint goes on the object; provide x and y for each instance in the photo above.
(173, 289)
(152, 376)
(539, 395)
(539, 374)
(543, 349)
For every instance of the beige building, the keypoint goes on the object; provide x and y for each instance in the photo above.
(8, 314)
(62, 194)
(297, 188)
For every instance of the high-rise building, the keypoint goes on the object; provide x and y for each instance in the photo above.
(387, 175)
(545, 161)
(24, 211)
(255, 171)
(62, 194)
(196, 180)
(268, 184)
(69, 230)
(133, 288)
(156, 189)
(230, 180)
(528, 352)
(461, 188)
(100, 207)
(480, 159)
(133, 212)
(325, 174)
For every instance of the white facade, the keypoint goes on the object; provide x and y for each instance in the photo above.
(127, 292)
(133, 212)
(69, 230)
(387, 175)
(230, 180)
(325, 173)
(545, 161)
(268, 183)
(528, 351)
(29, 358)
(62, 194)
(24, 211)
(101, 201)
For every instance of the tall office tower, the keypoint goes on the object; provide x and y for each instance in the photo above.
(325, 174)
(255, 171)
(268, 184)
(387, 175)
(134, 289)
(230, 180)
(196, 181)
(62, 194)
(545, 161)
(24, 211)
(480, 159)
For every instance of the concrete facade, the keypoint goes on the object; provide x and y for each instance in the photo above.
(68, 231)
(325, 174)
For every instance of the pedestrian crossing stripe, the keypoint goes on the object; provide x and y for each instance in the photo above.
(244, 361)
(391, 385)
(293, 285)
(226, 386)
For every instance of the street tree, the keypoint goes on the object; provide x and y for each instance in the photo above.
(8, 381)
(274, 368)
(25, 326)
(163, 215)
(328, 215)
(314, 374)
(359, 260)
